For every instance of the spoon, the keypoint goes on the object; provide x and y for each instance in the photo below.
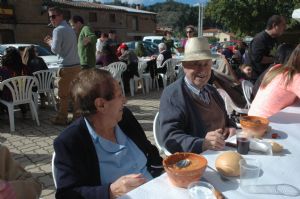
(183, 163)
(180, 164)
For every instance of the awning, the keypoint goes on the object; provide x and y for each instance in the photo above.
(296, 14)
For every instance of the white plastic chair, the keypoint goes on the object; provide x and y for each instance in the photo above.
(170, 73)
(247, 87)
(53, 169)
(44, 83)
(229, 104)
(116, 69)
(180, 71)
(133, 82)
(21, 92)
(149, 82)
(155, 132)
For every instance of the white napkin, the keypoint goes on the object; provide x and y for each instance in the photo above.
(260, 145)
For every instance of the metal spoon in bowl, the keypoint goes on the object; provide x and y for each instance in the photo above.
(183, 163)
(180, 164)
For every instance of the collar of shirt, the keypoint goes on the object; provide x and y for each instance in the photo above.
(63, 23)
(193, 88)
(107, 144)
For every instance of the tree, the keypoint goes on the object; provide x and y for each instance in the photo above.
(247, 17)
(175, 15)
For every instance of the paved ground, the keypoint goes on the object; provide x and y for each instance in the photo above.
(31, 145)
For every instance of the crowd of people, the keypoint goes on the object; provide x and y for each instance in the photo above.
(104, 152)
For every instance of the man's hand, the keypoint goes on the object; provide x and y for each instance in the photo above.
(229, 132)
(125, 184)
(86, 41)
(6, 191)
(214, 140)
(48, 40)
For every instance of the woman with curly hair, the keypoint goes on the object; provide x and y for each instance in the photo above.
(12, 66)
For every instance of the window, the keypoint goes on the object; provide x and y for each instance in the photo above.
(112, 18)
(135, 24)
(92, 17)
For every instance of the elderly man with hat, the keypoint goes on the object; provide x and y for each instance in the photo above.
(192, 115)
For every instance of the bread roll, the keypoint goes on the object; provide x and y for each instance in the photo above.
(227, 163)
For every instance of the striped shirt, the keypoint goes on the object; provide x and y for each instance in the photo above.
(202, 93)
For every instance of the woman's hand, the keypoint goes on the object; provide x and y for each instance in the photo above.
(214, 140)
(6, 191)
(125, 184)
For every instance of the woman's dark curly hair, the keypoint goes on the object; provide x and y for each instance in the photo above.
(12, 59)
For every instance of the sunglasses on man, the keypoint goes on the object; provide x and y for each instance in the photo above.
(52, 16)
(189, 31)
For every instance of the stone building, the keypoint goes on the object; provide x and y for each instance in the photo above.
(218, 34)
(26, 21)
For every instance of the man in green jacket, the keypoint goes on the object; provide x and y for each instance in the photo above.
(86, 42)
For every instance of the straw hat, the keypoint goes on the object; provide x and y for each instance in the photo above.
(197, 48)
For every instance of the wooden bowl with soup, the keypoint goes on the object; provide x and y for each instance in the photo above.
(254, 125)
(182, 176)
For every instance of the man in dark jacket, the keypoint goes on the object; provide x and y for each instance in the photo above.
(192, 114)
(262, 44)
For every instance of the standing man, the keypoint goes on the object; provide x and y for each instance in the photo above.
(86, 42)
(63, 43)
(167, 39)
(102, 50)
(264, 42)
(100, 43)
(112, 41)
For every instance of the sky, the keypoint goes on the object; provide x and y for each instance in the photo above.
(150, 2)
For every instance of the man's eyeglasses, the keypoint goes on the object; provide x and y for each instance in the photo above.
(52, 16)
(189, 31)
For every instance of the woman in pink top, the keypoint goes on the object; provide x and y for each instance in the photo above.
(279, 88)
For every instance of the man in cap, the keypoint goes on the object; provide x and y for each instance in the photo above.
(192, 114)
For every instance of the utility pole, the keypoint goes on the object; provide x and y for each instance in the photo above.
(200, 19)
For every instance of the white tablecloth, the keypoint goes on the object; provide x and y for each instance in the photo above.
(283, 168)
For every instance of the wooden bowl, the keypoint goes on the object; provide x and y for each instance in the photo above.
(182, 177)
(254, 125)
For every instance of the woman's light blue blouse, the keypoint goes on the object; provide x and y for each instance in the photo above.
(118, 159)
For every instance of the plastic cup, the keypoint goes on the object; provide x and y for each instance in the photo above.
(200, 189)
(243, 142)
(249, 173)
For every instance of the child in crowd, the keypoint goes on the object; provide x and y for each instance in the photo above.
(245, 72)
